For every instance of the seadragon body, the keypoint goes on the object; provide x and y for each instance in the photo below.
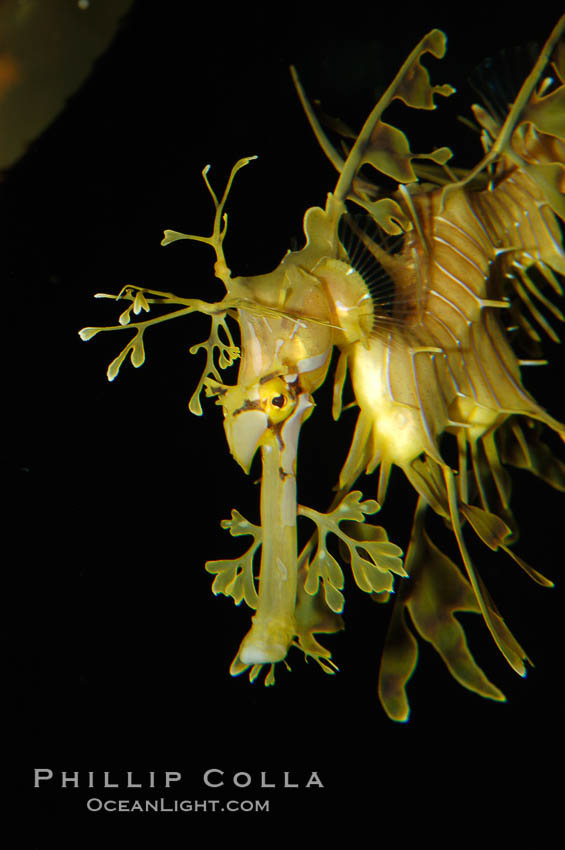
(426, 293)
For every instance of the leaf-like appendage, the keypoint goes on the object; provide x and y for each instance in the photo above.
(495, 534)
(313, 616)
(137, 356)
(399, 660)
(414, 87)
(87, 333)
(525, 449)
(373, 559)
(389, 152)
(234, 577)
(228, 353)
(547, 115)
(125, 317)
(435, 591)
(383, 146)
(439, 590)
(140, 303)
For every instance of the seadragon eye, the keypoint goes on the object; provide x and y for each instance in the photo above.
(277, 400)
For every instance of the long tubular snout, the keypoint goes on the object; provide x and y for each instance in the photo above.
(274, 623)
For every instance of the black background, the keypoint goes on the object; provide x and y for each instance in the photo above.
(121, 651)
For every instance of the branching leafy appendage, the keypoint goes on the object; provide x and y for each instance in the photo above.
(313, 617)
(382, 146)
(135, 347)
(216, 240)
(235, 577)
(373, 560)
(530, 109)
(142, 298)
(228, 353)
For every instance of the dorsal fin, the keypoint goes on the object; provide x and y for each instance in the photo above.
(366, 246)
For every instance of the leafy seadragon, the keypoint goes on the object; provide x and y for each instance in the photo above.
(429, 292)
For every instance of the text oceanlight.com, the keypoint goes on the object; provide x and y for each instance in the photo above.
(95, 804)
